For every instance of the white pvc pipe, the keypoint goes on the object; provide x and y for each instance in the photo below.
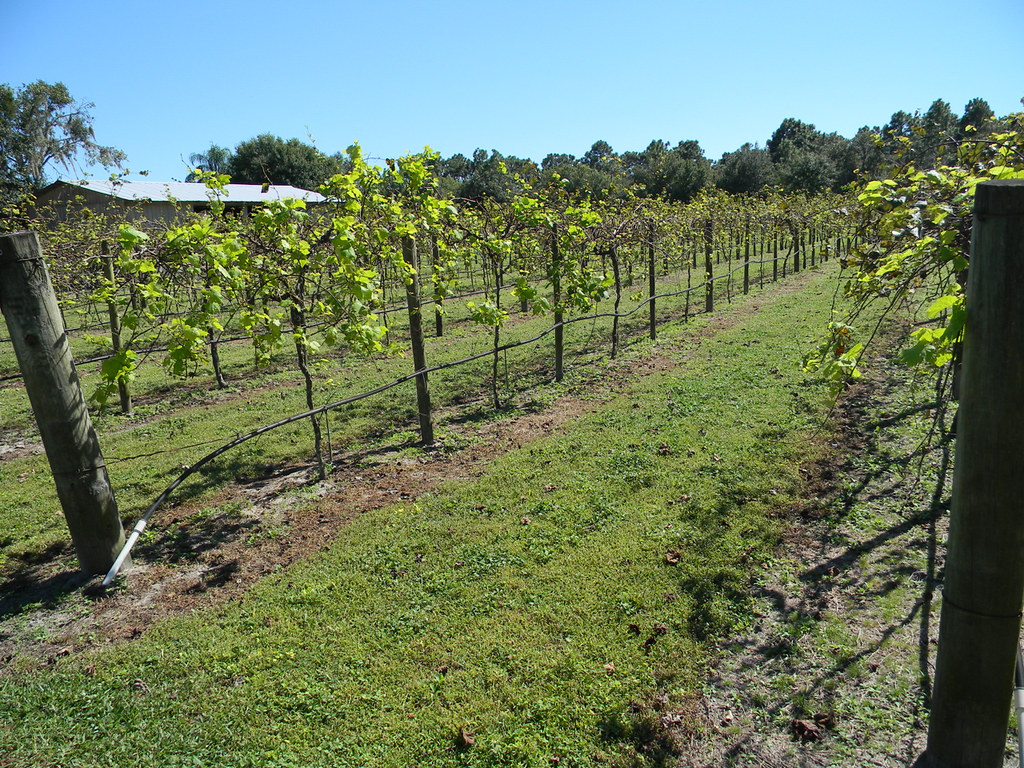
(123, 554)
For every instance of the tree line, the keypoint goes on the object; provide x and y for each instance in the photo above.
(43, 129)
(797, 157)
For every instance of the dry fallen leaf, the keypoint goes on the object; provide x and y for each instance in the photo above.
(806, 730)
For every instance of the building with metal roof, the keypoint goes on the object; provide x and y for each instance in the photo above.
(158, 200)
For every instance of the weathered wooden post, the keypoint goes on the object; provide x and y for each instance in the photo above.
(419, 357)
(775, 258)
(37, 332)
(613, 253)
(984, 576)
(709, 267)
(746, 258)
(556, 289)
(651, 282)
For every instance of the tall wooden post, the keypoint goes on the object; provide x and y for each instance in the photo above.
(651, 282)
(556, 288)
(746, 258)
(419, 356)
(984, 576)
(775, 258)
(41, 345)
(614, 255)
(760, 259)
(709, 267)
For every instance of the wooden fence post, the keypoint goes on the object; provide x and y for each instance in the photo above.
(613, 254)
(775, 258)
(709, 267)
(984, 575)
(651, 283)
(556, 288)
(419, 356)
(746, 258)
(30, 308)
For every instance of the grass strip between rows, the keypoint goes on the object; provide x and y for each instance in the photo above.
(514, 620)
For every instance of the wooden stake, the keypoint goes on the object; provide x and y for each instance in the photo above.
(556, 285)
(419, 357)
(37, 333)
(651, 283)
(984, 575)
(709, 267)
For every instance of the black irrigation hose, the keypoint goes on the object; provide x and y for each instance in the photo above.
(140, 526)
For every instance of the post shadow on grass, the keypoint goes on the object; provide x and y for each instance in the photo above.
(830, 570)
(22, 586)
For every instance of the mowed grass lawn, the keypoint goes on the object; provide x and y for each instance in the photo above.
(551, 613)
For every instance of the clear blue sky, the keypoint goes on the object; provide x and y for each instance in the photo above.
(526, 78)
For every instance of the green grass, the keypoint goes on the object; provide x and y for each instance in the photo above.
(507, 608)
(177, 422)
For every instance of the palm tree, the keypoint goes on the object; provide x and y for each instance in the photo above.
(216, 159)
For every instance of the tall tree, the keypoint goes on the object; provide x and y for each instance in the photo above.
(791, 134)
(899, 133)
(42, 127)
(269, 159)
(808, 160)
(676, 173)
(977, 114)
(865, 154)
(489, 175)
(556, 161)
(935, 144)
(597, 175)
(600, 152)
(748, 169)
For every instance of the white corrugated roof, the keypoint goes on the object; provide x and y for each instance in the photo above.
(194, 193)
